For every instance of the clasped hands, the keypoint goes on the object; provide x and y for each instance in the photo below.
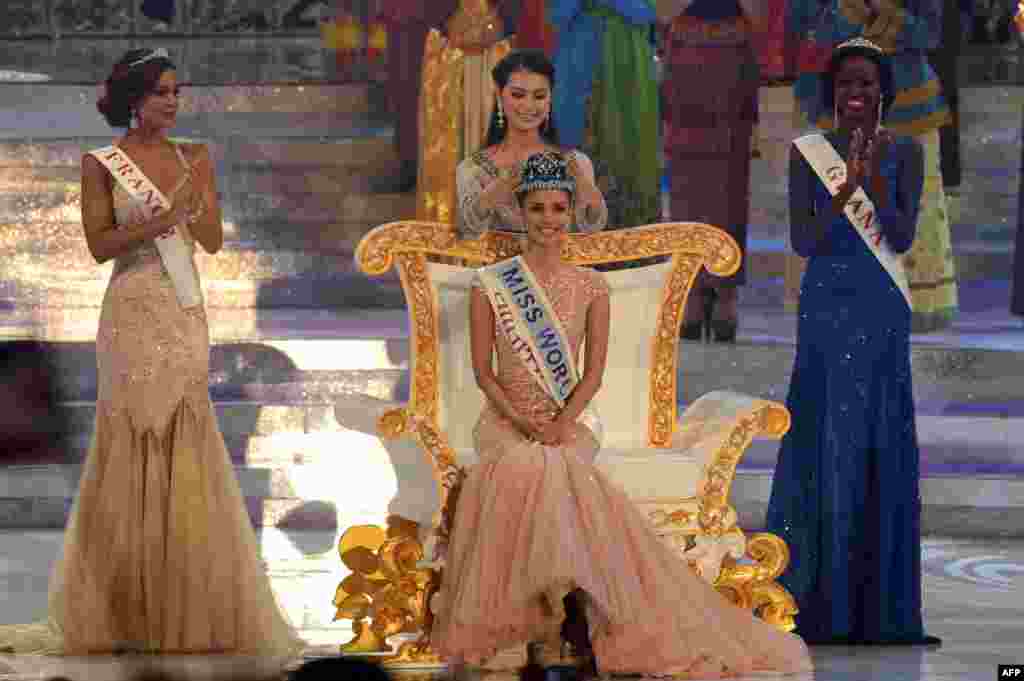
(864, 156)
(550, 433)
(189, 206)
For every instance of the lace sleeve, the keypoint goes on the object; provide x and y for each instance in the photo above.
(590, 217)
(470, 183)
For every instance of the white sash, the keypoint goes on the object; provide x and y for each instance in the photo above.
(860, 210)
(528, 320)
(174, 252)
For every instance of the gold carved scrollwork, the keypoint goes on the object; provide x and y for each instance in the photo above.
(708, 516)
(753, 586)
(715, 250)
(769, 419)
(419, 297)
(665, 350)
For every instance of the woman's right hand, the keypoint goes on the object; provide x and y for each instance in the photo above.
(855, 164)
(188, 205)
(164, 223)
(531, 429)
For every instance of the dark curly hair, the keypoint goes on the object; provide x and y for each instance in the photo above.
(128, 84)
(886, 79)
(531, 61)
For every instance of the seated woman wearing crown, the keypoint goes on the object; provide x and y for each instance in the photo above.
(536, 519)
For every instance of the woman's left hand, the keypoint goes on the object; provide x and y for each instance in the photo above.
(556, 433)
(875, 151)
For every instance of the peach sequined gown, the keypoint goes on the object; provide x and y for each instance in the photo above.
(159, 553)
(531, 516)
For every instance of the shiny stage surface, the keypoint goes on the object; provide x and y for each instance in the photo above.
(973, 595)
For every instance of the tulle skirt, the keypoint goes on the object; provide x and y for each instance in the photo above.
(531, 518)
(160, 554)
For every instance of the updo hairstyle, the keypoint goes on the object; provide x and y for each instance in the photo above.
(133, 77)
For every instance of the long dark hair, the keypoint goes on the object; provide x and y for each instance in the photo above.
(886, 80)
(531, 61)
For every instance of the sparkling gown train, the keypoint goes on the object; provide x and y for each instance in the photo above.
(159, 554)
(531, 518)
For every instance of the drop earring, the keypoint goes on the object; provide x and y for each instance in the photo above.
(501, 114)
(878, 121)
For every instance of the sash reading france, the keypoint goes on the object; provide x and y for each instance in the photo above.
(528, 320)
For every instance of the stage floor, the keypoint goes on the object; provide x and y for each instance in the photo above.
(972, 594)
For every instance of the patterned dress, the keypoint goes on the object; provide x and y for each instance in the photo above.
(532, 516)
(159, 553)
(710, 110)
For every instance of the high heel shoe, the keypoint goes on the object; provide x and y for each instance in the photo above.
(692, 331)
(695, 331)
(724, 330)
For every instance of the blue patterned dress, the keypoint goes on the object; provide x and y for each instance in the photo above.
(845, 497)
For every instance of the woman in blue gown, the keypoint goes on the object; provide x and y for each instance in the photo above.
(845, 496)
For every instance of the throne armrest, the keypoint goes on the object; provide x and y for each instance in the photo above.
(717, 429)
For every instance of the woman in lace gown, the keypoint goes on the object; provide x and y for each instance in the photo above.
(159, 554)
(521, 125)
(535, 519)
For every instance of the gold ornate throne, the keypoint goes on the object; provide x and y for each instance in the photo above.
(678, 470)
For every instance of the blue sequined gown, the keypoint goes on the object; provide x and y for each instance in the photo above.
(845, 495)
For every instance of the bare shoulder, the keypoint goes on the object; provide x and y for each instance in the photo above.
(94, 171)
(195, 152)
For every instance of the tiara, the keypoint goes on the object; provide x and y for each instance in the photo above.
(160, 53)
(862, 43)
(546, 170)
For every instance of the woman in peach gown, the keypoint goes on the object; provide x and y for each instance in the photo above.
(535, 519)
(159, 555)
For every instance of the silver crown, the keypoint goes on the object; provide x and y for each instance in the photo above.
(859, 42)
(546, 170)
(160, 53)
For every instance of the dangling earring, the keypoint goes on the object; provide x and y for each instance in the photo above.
(878, 121)
(501, 114)
(835, 115)
(546, 126)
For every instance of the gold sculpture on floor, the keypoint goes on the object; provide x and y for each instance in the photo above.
(703, 527)
(386, 585)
